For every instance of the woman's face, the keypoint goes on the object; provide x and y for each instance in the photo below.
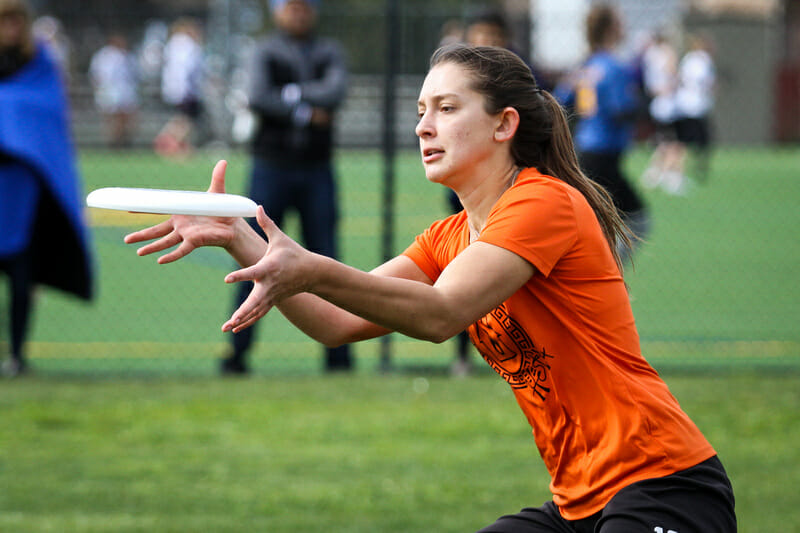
(455, 132)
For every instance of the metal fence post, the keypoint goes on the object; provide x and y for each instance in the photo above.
(392, 63)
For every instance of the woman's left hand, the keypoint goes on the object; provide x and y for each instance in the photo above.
(283, 271)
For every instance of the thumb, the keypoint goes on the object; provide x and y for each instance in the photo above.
(218, 177)
(266, 223)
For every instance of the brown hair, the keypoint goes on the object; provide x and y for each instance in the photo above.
(21, 7)
(600, 22)
(543, 138)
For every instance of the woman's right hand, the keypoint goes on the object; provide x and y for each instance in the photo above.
(189, 232)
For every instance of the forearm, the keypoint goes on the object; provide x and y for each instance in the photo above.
(335, 303)
(327, 323)
(410, 307)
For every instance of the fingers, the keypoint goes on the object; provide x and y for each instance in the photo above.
(181, 251)
(218, 177)
(237, 325)
(162, 244)
(245, 274)
(266, 223)
(251, 310)
(150, 233)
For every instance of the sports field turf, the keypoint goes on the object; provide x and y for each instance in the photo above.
(398, 453)
(125, 427)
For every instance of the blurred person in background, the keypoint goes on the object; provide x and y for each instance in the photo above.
(297, 82)
(43, 237)
(49, 30)
(114, 77)
(694, 101)
(181, 88)
(452, 32)
(532, 268)
(659, 65)
(606, 99)
(490, 27)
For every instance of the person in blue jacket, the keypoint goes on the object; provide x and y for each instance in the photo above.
(43, 237)
(605, 97)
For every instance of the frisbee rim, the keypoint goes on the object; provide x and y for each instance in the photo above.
(171, 202)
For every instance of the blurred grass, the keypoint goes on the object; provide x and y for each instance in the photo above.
(346, 453)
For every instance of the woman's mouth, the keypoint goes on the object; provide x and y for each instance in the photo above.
(431, 154)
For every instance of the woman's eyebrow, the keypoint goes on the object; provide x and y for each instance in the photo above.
(438, 98)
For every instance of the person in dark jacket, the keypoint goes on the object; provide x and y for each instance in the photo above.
(298, 80)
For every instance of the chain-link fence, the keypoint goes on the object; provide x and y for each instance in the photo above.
(712, 286)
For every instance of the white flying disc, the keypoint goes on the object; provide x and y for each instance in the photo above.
(167, 202)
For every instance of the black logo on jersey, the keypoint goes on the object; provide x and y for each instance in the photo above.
(510, 351)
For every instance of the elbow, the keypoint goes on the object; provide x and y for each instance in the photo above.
(439, 339)
(337, 341)
(439, 331)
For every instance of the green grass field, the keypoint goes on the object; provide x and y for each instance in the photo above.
(124, 425)
(397, 453)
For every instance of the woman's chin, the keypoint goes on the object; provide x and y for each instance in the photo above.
(434, 177)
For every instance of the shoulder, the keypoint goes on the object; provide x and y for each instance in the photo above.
(546, 203)
(533, 186)
(434, 248)
(444, 238)
(538, 218)
(446, 227)
(538, 201)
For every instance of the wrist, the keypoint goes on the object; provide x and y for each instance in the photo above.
(245, 245)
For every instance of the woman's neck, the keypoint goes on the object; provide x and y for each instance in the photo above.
(479, 201)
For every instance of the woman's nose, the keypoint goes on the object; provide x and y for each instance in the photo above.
(424, 126)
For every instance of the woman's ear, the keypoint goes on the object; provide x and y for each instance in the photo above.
(507, 127)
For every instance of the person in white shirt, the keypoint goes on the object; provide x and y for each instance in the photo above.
(181, 87)
(114, 78)
(660, 77)
(694, 101)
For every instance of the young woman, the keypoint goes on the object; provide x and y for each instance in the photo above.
(530, 268)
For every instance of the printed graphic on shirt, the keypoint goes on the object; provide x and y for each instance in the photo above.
(511, 352)
(586, 92)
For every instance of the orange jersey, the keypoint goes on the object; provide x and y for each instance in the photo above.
(567, 344)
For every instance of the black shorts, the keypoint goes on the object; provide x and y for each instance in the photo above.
(694, 131)
(665, 131)
(696, 500)
(191, 107)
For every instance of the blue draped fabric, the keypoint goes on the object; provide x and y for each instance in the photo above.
(41, 200)
(19, 196)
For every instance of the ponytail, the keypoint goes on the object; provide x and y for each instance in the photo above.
(560, 160)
